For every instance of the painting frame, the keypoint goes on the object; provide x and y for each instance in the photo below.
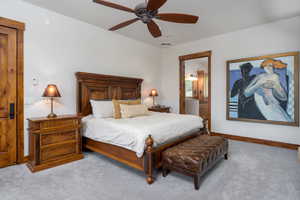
(295, 55)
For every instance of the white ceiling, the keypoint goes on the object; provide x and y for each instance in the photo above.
(216, 16)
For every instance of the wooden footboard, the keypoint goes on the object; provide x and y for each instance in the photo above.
(148, 163)
(117, 153)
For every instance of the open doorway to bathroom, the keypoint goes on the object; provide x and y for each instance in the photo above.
(195, 85)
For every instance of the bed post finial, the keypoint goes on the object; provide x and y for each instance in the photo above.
(149, 168)
(149, 143)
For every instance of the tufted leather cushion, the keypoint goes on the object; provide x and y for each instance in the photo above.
(197, 154)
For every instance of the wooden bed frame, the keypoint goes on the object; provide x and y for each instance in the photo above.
(106, 87)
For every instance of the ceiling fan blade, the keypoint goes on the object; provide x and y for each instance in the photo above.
(123, 24)
(178, 18)
(113, 5)
(155, 4)
(154, 29)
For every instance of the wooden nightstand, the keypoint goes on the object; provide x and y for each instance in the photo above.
(54, 141)
(160, 109)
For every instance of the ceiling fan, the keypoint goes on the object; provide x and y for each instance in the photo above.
(148, 11)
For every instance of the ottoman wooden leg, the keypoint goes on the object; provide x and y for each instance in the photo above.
(226, 156)
(197, 182)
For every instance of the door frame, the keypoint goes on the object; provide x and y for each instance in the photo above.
(20, 28)
(182, 59)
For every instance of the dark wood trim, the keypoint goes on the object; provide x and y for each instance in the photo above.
(20, 27)
(20, 101)
(195, 55)
(104, 87)
(149, 159)
(182, 59)
(12, 24)
(296, 78)
(297, 70)
(209, 90)
(295, 53)
(181, 87)
(25, 160)
(114, 152)
(258, 141)
(85, 76)
(54, 163)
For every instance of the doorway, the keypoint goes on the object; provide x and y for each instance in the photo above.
(195, 85)
(11, 92)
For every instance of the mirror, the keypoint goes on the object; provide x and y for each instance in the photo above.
(196, 90)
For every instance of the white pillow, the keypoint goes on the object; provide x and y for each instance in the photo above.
(102, 109)
(128, 111)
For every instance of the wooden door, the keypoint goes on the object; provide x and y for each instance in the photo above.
(8, 63)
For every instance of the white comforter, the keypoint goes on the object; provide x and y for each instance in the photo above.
(131, 133)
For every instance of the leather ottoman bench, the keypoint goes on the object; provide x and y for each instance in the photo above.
(195, 156)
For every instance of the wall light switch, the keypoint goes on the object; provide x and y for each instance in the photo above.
(29, 101)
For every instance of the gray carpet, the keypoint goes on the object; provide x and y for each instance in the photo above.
(253, 172)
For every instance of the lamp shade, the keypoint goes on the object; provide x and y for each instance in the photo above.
(153, 93)
(51, 91)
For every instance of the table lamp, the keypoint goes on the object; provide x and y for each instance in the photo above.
(153, 94)
(51, 91)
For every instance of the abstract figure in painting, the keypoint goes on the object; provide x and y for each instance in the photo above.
(264, 89)
(246, 103)
(268, 91)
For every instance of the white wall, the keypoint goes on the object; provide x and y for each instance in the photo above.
(278, 37)
(57, 46)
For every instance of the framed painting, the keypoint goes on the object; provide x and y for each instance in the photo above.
(264, 89)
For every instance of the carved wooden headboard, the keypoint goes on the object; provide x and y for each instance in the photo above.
(104, 87)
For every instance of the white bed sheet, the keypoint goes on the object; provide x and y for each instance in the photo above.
(131, 133)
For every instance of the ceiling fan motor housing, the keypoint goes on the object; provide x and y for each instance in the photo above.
(144, 15)
(146, 12)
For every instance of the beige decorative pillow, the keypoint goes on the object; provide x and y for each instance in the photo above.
(129, 111)
(117, 110)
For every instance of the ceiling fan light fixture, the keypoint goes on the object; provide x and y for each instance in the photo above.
(145, 15)
(148, 11)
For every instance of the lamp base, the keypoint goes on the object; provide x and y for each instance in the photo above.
(52, 115)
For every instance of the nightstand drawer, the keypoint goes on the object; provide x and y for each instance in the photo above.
(59, 137)
(58, 124)
(57, 151)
